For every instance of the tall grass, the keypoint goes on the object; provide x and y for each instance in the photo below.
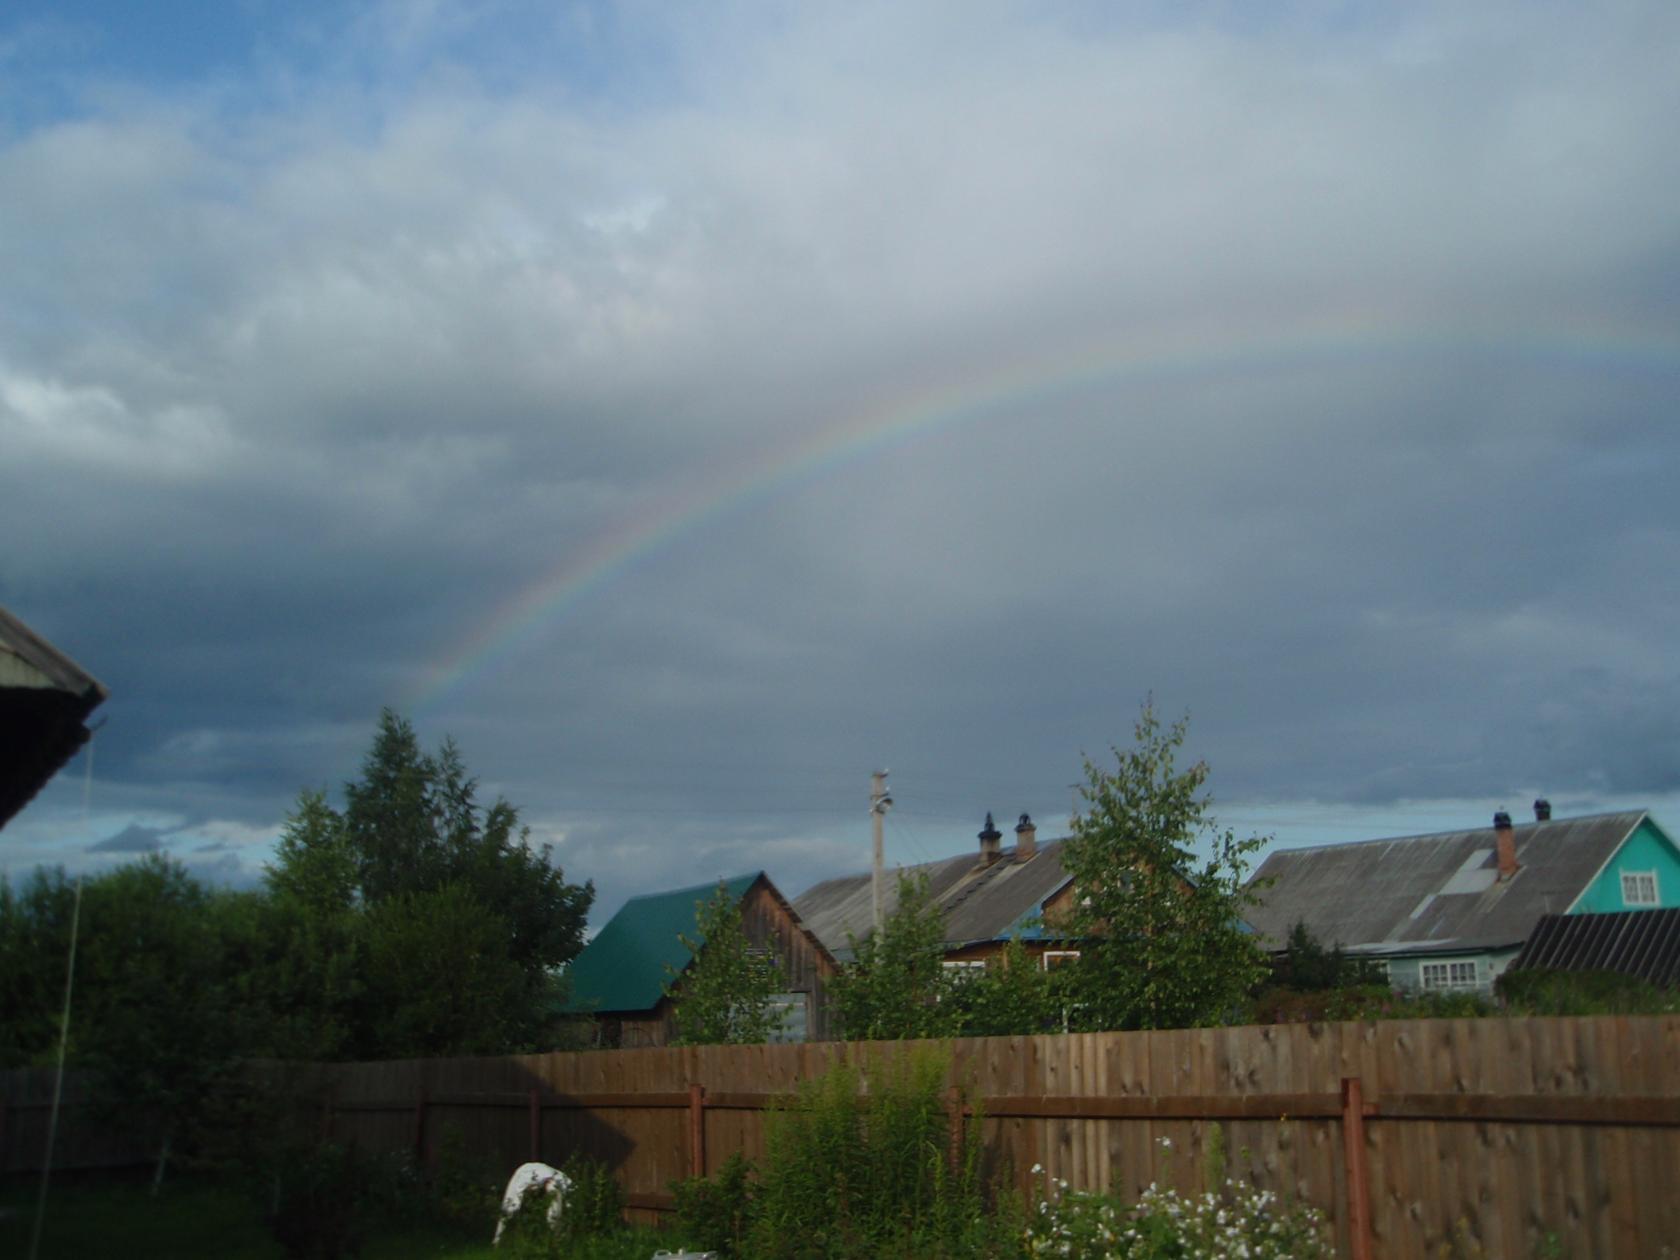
(859, 1167)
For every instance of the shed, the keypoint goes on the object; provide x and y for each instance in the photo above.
(1644, 944)
(619, 978)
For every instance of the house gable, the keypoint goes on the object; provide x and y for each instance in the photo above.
(1648, 851)
(1434, 894)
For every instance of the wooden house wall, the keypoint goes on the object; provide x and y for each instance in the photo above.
(770, 924)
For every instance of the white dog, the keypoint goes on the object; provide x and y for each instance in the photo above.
(533, 1179)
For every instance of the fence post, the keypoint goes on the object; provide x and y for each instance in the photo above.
(696, 1130)
(534, 1102)
(420, 1126)
(327, 1116)
(1358, 1174)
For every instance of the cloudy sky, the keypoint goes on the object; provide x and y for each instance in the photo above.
(693, 408)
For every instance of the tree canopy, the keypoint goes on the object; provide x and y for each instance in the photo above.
(892, 988)
(899, 986)
(1163, 941)
(427, 922)
(724, 996)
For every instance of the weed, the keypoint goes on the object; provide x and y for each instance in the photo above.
(716, 1213)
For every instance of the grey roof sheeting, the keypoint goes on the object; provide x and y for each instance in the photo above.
(1642, 943)
(980, 903)
(45, 698)
(1440, 892)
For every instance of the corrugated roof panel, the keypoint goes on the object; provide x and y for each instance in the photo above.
(979, 903)
(1642, 943)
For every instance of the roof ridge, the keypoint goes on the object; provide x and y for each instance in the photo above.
(928, 866)
(1459, 831)
(710, 883)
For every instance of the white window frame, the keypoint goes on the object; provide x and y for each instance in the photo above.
(1449, 975)
(1637, 883)
(1060, 955)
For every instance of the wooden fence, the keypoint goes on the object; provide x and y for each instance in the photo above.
(1409, 1135)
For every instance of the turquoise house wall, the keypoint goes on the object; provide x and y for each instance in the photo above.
(1647, 849)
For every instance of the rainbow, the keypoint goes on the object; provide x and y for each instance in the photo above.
(927, 409)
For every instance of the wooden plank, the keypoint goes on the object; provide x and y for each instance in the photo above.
(1622, 1209)
(1552, 1206)
(1404, 1191)
(697, 1130)
(1501, 1195)
(1455, 1204)
(1122, 1055)
(1170, 1107)
(1564, 1109)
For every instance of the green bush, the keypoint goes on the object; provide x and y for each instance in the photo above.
(852, 1173)
(716, 1213)
(1550, 992)
(1375, 1001)
(594, 1204)
(320, 1200)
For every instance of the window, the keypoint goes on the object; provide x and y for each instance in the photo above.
(795, 1017)
(1639, 888)
(964, 970)
(1054, 958)
(1449, 975)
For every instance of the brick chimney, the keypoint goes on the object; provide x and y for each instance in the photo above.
(991, 842)
(1505, 845)
(1026, 838)
(1542, 810)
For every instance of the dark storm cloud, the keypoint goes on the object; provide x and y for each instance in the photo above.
(1349, 433)
(131, 839)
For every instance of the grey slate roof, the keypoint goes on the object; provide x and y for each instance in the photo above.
(980, 903)
(1415, 894)
(45, 698)
(1642, 943)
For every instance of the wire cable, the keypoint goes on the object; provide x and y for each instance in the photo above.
(64, 1022)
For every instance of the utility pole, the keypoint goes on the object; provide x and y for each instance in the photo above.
(879, 803)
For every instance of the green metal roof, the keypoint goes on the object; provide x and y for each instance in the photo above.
(624, 967)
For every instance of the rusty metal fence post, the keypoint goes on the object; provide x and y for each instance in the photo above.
(1358, 1173)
